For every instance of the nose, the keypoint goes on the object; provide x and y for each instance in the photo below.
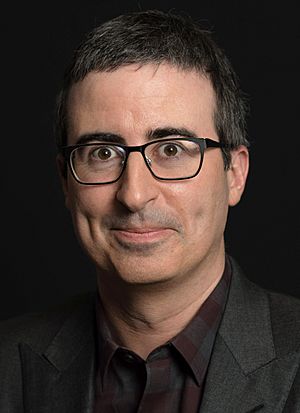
(137, 186)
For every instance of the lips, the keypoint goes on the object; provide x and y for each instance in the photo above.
(140, 230)
(141, 234)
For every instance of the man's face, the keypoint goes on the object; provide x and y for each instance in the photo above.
(140, 229)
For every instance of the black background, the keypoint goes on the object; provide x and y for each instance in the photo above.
(42, 262)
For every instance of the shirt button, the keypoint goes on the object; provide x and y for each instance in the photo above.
(129, 357)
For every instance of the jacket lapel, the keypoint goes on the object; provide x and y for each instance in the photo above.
(228, 390)
(244, 374)
(61, 378)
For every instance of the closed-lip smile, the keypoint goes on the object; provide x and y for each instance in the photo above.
(141, 234)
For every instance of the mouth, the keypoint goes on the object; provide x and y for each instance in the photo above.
(141, 235)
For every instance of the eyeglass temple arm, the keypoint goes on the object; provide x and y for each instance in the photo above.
(209, 143)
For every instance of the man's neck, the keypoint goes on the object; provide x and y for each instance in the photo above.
(141, 318)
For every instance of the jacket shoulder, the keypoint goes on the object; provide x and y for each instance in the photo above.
(35, 331)
(38, 329)
(285, 322)
(280, 312)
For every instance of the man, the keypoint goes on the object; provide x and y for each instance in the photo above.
(152, 153)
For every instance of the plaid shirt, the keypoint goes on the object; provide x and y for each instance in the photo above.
(172, 377)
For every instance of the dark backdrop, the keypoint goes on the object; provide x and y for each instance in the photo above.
(41, 260)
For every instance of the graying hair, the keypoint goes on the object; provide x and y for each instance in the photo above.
(160, 37)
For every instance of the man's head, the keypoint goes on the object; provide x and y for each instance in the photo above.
(154, 37)
(126, 87)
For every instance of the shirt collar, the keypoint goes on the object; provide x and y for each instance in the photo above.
(106, 346)
(195, 342)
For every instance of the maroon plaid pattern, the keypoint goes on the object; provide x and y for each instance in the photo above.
(172, 377)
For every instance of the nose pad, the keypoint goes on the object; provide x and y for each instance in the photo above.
(148, 160)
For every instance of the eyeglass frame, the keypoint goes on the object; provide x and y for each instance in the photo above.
(203, 143)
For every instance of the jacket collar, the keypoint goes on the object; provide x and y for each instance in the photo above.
(244, 362)
(246, 327)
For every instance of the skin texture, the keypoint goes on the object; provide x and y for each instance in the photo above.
(152, 240)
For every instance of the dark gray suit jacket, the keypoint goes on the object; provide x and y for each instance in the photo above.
(47, 361)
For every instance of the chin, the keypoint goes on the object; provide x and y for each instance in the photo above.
(142, 271)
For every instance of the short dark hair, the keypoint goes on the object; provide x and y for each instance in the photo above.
(154, 36)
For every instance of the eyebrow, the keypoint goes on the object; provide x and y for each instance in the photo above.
(101, 137)
(152, 134)
(160, 133)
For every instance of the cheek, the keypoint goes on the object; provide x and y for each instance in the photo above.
(204, 206)
(88, 200)
(87, 206)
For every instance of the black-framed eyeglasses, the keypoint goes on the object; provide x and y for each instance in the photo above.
(167, 159)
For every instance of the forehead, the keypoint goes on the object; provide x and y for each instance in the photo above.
(133, 99)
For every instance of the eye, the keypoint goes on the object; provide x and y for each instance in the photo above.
(170, 149)
(105, 153)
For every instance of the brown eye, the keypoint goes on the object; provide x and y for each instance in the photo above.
(170, 150)
(103, 153)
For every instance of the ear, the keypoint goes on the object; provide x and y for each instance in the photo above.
(237, 174)
(63, 175)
